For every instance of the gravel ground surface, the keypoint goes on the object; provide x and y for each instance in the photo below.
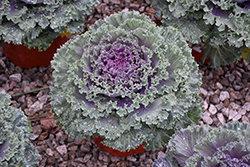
(225, 93)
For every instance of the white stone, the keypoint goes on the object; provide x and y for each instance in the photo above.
(205, 105)
(221, 118)
(245, 119)
(235, 106)
(224, 95)
(33, 136)
(246, 106)
(206, 118)
(203, 91)
(49, 152)
(242, 111)
(225, 111)
(62, 149)
(232, 114)
(237, 117)
(212, 109)
(219, 85)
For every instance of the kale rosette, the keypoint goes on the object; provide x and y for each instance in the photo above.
(15, 148)
(36, 23)
(203, 146)
(126, 80)
(222, 25)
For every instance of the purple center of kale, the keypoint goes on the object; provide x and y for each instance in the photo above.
(122, 62)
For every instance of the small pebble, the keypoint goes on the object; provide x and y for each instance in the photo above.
(62, 149)
(206, 118)
(16, 77)
(221, 118)
(224, 95)
(232, 114)
(212, 109)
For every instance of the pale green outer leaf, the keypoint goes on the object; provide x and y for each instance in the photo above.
(15, 128)
(89, 104)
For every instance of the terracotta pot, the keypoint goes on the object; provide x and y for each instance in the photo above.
(27, 58)
(198, 55)
(114, 152)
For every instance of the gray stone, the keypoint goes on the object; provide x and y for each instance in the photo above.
(215, 99)
(115, 1)
(231, 77)
(103, 157)
(221, 118)
(85, 148)
(225, 82)
(236, 95)
(44, 98)
(115, 158)
(134, 5)
(237, 87)
(212, 109)
(62, 149)
(87, 157)
(33, 136)
(247, 98)
(37, 106)
(2, 63)
(63, 164)
(224, 95)
(73, 148)
(142, 157)
(246, 75)
(80, 159)
(16, 77)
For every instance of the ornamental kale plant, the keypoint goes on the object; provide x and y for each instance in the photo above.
(223, 25)
(126, 80)
(15, 149)
(36, 23)
(202, 146)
